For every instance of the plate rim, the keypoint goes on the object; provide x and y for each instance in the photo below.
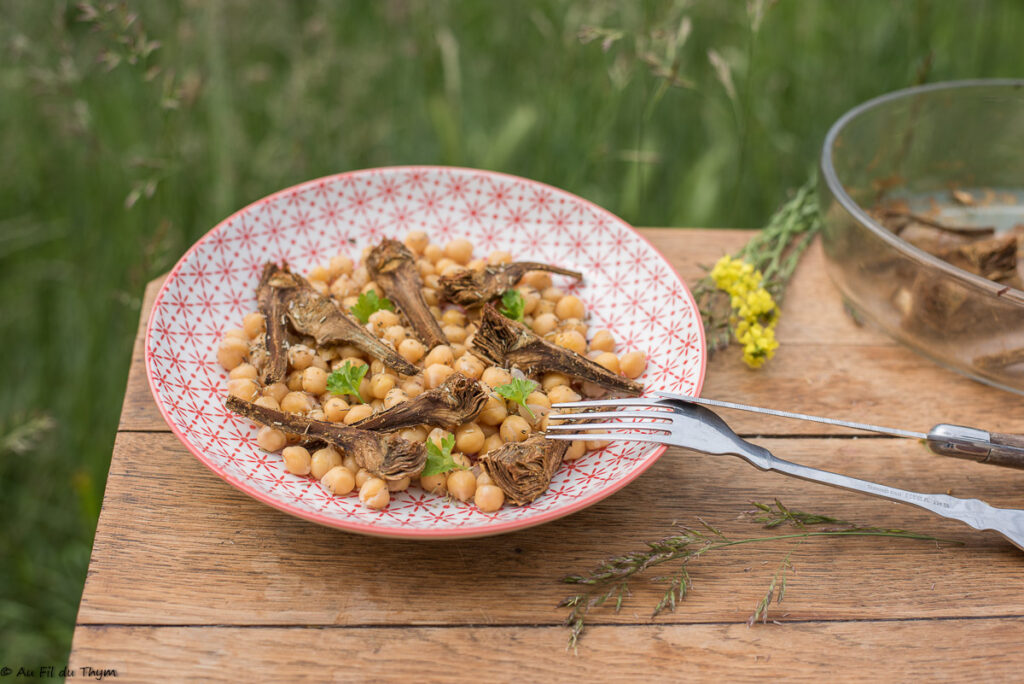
(411, 533)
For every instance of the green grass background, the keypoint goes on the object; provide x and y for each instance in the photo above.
(117, 152)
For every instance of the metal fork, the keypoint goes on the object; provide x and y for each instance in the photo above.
(695, 427)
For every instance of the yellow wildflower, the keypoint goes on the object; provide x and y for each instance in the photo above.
(754, 310)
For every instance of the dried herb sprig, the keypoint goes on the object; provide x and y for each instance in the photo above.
(775, 251)
(778, 580)
(609, 581)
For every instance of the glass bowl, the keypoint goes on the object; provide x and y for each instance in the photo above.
(954, 151)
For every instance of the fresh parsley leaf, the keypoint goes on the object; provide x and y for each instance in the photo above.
(517, 391)
(346, 380)
(512, 305)
(370, 303)
(439, 460)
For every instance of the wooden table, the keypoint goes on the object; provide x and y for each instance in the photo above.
(190, 579)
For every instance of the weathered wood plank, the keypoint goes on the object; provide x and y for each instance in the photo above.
(967, 650)
(176, 545)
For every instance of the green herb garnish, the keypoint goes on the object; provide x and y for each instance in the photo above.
(512, 305)
(439, 459)
(517, 391)
(368, 304)
(346, 380)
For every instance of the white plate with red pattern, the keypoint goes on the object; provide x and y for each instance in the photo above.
(628, 288)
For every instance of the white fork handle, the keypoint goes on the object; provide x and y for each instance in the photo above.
(978, 514)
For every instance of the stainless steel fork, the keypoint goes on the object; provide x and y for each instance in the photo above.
(691, 426)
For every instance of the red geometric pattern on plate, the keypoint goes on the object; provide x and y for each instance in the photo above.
(629, 289)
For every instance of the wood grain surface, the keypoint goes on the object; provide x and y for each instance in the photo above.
(192, 580)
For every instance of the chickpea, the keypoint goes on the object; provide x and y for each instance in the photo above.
(335, 409)
(574, 324)
(424, 267)
(469, 438)
(362, 476)
(297, 460)
(603, 340)
(364, 389)
(340, 265)
(294, 381)
(414, 434)
(454, 333)
(413, 387)
(374, 494)
(300, 357)
(430, 296)
(483, 479)
(459, 348)
(553, 294)
(553, 380)
(353, 361)
(435, 484)
(360, 276)
(371, 285)
(530, 300)
(399, 485)
(236, 333)
(572, 340)
(244, 388)
(297, 402)
(442, 354)
(461, 484)
(324, 460)
(540, 399)
(494, 411)
(477, 265)
(543, 307)
(569, 306)
(350, 301)
(357, 412)
(377, 405)
(576, 449)
(339, 480)
(538, 280)
(435, 310)
(232, 352)
(268, 402)
(396, 334)
(462, 460)
(394, 397)
(417, 241)
(342, 288)
(595, 444)
(493, 442)
(514, 429)
(314, 380)
(545, 323)
(459, 250)
(382, 320)
(452, 270)
(349, 461)
(453, 317)
(317, 414)
(499, 257)
(270, 439)
(411, 350)
(609, 361)
(470, 366)
(488, 498)
(254, 324)
(276, 391)
(437, 374)
(562, 394)
(444, 264)
(381, 384)
(496, 377)
(633, 364)
(437, 436)
(432, 281)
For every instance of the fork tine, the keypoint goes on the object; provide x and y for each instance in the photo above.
(611, 437)
(611, 403)
(664, 427)
(663, 415)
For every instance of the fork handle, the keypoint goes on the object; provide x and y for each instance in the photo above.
(978, 514)
(994, 448)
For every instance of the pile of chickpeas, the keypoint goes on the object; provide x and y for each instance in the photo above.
(549, 311)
